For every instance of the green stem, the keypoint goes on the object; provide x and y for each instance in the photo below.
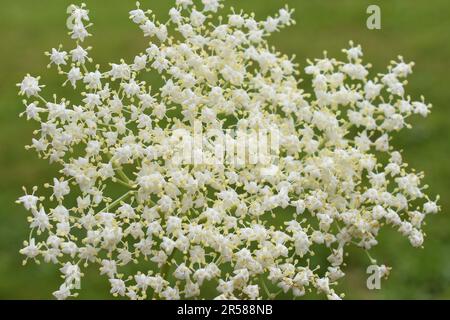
(165, 269)
(122, 174)
(119, 171)
(124, 183)
(117, 201)
(372, 260)
(269, 295)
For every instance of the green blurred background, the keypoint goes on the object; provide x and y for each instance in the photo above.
(417, 29)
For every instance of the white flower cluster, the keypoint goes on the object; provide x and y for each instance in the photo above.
(337, 180)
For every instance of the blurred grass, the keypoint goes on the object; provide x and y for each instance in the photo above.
(419, 30)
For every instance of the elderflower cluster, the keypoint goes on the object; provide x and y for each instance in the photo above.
(248, 230)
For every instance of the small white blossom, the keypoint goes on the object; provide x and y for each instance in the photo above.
(30, 86)
(58, 57)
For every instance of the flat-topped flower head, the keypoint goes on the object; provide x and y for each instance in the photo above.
(180, 180)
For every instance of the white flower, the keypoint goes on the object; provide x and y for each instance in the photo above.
(184, 3)
(354, 53)
(78, 13)
(138, 16)
(31, 250)
(79, 32)
(60, 188)
(323, 284)
(182, 272)
(170, 294)
(58, 57)
(79, 54)
(109, 268)
(175, 15)
(430, 207)
(416, 238)
(271, 24)
(211, 5)
(40, 220)
(29, 201)
(69, 248)
(197, 18)
(92, 79)
(252, 291)
(421, 108)
(285, 16)
(71, 273)
(74, 75)
(29, 86)
(118, 287)
(63, 293)
(120, 71)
